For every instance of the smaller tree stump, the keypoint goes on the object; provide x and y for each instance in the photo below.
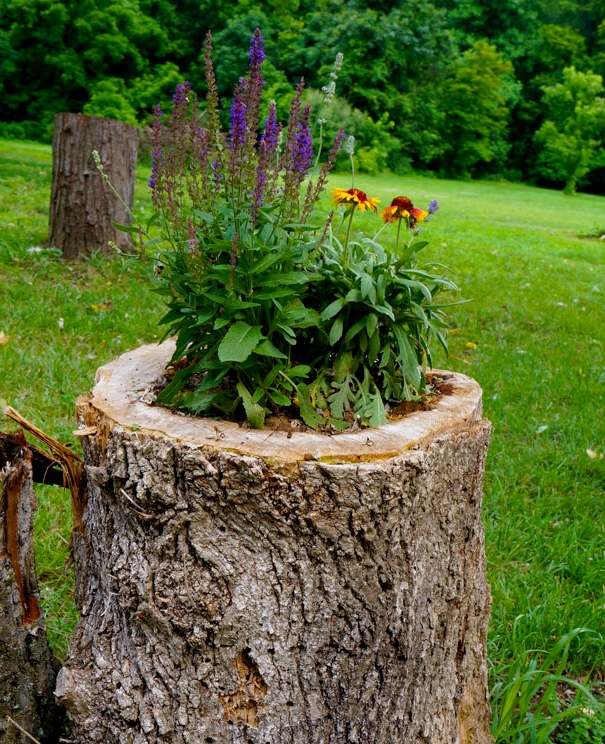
(27, 668)
(82, 206)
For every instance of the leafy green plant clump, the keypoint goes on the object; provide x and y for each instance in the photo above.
(271, 309)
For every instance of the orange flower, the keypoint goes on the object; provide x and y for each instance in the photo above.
(355, 199)
(402, 209)
(419, 215)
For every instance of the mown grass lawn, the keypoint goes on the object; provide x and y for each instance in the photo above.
(532, 334)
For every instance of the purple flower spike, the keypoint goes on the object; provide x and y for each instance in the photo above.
(303, 145)
(257, 51)
(181, 93)
(156, 157)
(217, 176)
(237, 133)
(433, 206)
(271, 129)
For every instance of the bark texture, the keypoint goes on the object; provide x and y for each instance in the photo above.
(82, 206)
(27, 668)
(231, 596)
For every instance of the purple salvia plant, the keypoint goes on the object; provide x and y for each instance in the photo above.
(233, 258)
(292, 177)
(176, 158)
(271, 129)
(155, 179)
(192, 239)
(217, 175)
(237, 132)
(197, 181)
(239, 158)
(269, 145)
(293, 120)
(302, 156)
(212, 100)
(257, 49)
(254, 86)
(266, 154)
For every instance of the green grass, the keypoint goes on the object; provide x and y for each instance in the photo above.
(532, 335)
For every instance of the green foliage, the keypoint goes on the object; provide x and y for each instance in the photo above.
(573, 134)
(379, 314)
(375, 146)
(270, 309)
(586, 727)
(407, 68)
(526, 705)
(108, 98)
(476, 96)
(62, 56)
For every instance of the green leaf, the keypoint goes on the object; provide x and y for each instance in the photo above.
(292, 277)
(332, 309)
(343, 364)
(354, 330)
(300, 370)
(239, 342)
(374, 346)
(152, 242)
(205, 216)
(307, 411)
(371, 323)
(367, 288)
(126, 228)
(385, 310)
(273, 292)
(266, 261)
(374, 411)
(341, 399)
(255, 413)
(407, 357)
(279, 398)
(178, 382)
(266, 348)
(198, 401)
(336, 331)
(288, 332)
(353, 295)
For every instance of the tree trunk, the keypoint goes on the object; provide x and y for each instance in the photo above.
(82, 206)
(27, 668)
(259, 587)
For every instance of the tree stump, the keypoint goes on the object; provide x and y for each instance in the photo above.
(82, 206)
(27, 668)
(264, 587)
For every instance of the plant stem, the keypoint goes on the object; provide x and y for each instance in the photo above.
(345, 254)
(397, 238)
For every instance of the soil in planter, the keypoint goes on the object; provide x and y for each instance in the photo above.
(287, 420)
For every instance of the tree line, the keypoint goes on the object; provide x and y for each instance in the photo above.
(458, 88)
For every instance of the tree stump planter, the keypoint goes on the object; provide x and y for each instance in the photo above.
(248, 586)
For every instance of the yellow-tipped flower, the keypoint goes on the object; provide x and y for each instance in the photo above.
(355, 199)
(402, 209)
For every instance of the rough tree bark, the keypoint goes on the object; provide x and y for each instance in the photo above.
(27, 668)
(82, 206)
(245, 587)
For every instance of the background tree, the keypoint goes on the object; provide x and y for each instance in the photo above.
(476, 96)
(407, 64)
(572, 136)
